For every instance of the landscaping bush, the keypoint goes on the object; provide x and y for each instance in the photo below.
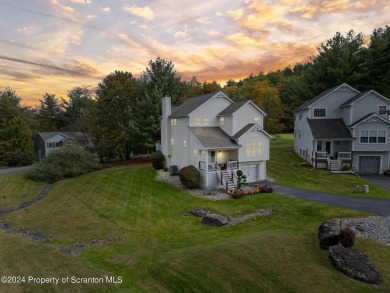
(157, 159)
(190, 177)
(347, 237)
(66, 162)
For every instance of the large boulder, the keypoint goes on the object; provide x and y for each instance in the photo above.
(215, 220)
(355, 264)
(198, 212)
(328, 233)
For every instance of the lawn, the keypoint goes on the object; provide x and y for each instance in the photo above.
(285, 167)
(158, 246)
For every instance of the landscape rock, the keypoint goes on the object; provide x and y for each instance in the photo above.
(215, 220)
(328, 233)
(355, 264)
(198, 212)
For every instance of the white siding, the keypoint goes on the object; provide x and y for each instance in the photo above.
(179, 153)
(209, 110)
(303, 140)
(244, 116)
(373, 147)
(253, 136)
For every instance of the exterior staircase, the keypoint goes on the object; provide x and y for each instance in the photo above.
(334, 165)
(226, 179)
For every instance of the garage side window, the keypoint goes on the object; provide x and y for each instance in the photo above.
(253, 148)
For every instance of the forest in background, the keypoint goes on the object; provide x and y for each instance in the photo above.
(123, 115)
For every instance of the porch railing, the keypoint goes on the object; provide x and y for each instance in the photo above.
(344, 156)
(207, 166)
(231, 165)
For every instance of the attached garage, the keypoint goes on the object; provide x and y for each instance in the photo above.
(251, 171)
(369, 164)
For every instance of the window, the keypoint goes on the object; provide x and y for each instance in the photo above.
(319, 146)
(364, 136)
(253, 148)
(373, 136)
(319, 112)
(256, 120)
(194, 154)
(221, 121)
(197, 122)
(184, 143)
(173, 121)
(381, 136)
(206, 121)
(172, 141)
(382, 110)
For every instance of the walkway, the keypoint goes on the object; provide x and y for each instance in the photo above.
(373, 205)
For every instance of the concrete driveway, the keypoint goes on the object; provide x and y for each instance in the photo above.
(379, 180)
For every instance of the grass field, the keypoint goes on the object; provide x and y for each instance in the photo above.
(158, 247)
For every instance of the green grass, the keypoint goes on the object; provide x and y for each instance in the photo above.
(284, 167)
(159, 247)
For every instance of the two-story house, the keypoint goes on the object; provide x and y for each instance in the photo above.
(343, 126)
(217, 136)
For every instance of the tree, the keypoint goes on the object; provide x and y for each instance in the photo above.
(49, 114)
(210, 87)
(115, 98)
(378, 61)
(78, 110)
(339, 60)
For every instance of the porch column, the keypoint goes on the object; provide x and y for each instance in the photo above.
(207, 168)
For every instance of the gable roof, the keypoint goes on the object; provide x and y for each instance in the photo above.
(247, 128)
(191, 104)
(361, 95)
(213, 137)
(307, 104)
(237, 105)
(329, 129)
(363, 119)
(73, 135)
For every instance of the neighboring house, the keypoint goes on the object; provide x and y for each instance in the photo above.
(343, 126)
(45, 142)
(217, 136)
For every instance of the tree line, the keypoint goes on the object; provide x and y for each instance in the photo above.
(123, 115)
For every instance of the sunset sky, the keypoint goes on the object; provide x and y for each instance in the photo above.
(55, 45)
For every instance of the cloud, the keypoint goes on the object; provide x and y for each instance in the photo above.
(144, 12)
(105, 9)
(62, 7)
(81, 1)
(29, 30)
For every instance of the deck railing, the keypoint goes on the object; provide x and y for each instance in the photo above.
(207, 166)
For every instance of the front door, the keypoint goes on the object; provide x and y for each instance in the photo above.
(327, 146)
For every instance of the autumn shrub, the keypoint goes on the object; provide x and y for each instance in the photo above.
(190, 177)
(347, 237)
(66, 162)
(157, 159)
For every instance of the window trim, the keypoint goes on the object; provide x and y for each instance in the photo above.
(379, 106)
(372, 139)
(254, 148)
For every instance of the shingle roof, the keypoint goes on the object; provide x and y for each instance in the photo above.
(213, 137)
(191, 104)
(329, 129)
(232, 108)
(75, 134)
(319, 97)
(369, 115)
(245, 129)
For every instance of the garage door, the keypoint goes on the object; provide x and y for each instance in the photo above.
(369, 164)
(251, 172)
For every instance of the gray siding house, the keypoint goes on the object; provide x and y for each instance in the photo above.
(45, 142)
(217, 136)
(344, 127)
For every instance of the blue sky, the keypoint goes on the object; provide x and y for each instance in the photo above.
(54, 45)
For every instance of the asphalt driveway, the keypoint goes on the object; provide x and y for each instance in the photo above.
(13, 170)
(373, 205)
(379, 180)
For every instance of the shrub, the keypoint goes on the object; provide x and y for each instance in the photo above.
(347, 237)
(66, 162)
(190, 177)
(18, 158)
(157, 159)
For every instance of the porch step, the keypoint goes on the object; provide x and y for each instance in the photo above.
(335, 165)
(227, 178)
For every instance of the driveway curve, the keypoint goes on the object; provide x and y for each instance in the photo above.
(373, 205)
(13, 170)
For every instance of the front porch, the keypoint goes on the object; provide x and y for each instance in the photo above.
(217, 168)
(323, 160)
